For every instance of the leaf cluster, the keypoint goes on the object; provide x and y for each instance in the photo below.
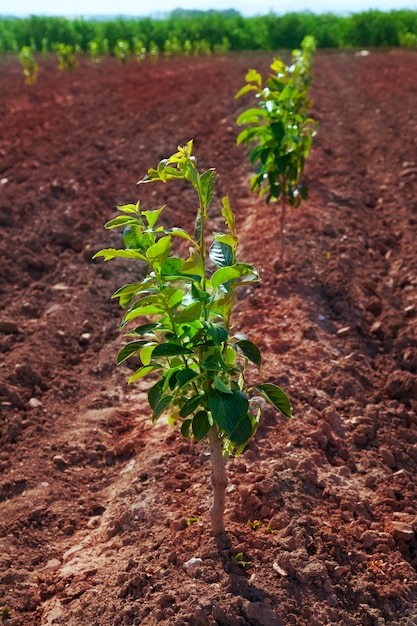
(184, 339)
(280, 126)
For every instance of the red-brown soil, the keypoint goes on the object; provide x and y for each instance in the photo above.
(94, 501)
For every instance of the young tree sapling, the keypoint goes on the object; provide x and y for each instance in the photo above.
(281, 129)
(186, 341)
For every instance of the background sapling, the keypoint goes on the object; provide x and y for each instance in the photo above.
(186, 344)
(30, 67)
(66, 57)
(121, 51)
(139, 49)
(281, 129)
(94, 50)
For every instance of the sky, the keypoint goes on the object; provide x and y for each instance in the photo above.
(140, 8)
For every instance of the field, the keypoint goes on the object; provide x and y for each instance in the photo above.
(94, 501)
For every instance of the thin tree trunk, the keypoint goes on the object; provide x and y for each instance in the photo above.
(282, 224)
(219, 482)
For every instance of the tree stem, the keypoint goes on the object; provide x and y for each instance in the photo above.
(219, 482)
(283, 217)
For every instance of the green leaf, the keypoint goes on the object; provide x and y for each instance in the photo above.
(253, 76)
(278, 66)
(213, 363)
(242, 431)
(287, 93)
(147, 309)
(220, 385)
(148, 296)
(245, 89)
(229, 239)
(197, 227)
(150, 177)
(223, 275)
(161, 169)
(199, 294)
(155, 393)
(173, 297)
(168, 350)
(201, 425)
(172, 267)
(222, 306)
(112, 253)
(171, 377)
(146, 354)
(129, 208)
(275, 396)
(227, 408)
(193, 265)
(247, 274)
(207, 182)
(143, 371)
(228, 215)
(251, 116)
(185, 375)
(190, 406)
(152, 216)
(303, 190)
(129, 350)
(247, 135)
(230, 356)
(160, 407)
(221, 254)
(185, 428)
(230, 412)
(278, 130)
(190, 313)
(217, 332)
(157, 253)
(121, 220)
(135, 239)
(189, 171)
(130, 289)
(178, 232)
(144, 329)
(250, 350)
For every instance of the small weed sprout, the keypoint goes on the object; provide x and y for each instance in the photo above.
(255, 525)
(6, 612)
(186, 341)
(239, 560)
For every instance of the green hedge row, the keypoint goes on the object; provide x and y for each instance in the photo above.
(268, 32)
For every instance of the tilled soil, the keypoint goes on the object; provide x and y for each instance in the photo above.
(96, 505)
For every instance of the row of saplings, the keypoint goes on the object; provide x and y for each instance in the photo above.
(67, 54)
(178, 318)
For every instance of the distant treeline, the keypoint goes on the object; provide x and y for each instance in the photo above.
(267, 32)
